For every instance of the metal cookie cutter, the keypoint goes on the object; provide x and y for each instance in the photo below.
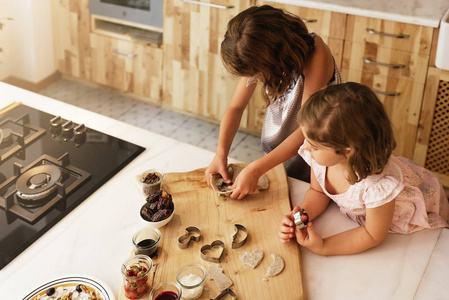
(214, 259)
(299, 223)
(226, 292)
(192, 234)
(238, 244)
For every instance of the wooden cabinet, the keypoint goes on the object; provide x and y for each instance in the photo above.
(71, 29)
(432, 145)
(195, 80)
(392, 58)
(127, 66)
(330, 26)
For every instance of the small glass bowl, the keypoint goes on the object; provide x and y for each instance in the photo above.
(145, 241)
(191, 279)
(150, 188)
(136, 285)
(167, 289)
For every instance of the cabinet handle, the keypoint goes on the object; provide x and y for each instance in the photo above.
(397, 36)
(115, 51)
(393, 94)
(372, 62)
(209, 4)
(309, 20)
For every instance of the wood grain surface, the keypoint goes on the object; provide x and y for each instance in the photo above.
(196, 204)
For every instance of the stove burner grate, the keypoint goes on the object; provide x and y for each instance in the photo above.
(41, 185)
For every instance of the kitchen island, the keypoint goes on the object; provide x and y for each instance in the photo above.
(95, 238)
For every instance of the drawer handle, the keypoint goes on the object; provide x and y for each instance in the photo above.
(397, 36)
(309, 20)
(115, 51)
(209, 4)
(393, 94)
(372, 62)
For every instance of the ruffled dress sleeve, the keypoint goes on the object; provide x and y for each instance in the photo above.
(382, 188)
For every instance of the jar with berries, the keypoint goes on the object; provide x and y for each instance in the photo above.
(135, 276)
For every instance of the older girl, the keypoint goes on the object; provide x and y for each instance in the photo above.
(348, 144)
(267, 45)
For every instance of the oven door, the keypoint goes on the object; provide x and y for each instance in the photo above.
(145, 12)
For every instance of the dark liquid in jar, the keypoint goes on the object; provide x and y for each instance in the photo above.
(146, 243)
(147, 247)
(167, 296)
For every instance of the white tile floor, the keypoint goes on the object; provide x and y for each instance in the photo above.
(246, 147)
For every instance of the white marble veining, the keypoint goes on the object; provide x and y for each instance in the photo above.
(95, 238)
(419, 12)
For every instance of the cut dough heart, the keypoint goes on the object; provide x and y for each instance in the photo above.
(276, 267)
(251, 259)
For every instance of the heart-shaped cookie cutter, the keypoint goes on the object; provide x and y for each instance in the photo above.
(238, 228)
(193, 234)
(226, 292)
(209, 247)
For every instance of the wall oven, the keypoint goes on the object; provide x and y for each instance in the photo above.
(145, 12)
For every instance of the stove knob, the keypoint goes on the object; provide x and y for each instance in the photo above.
(80, 129)
(67, 130)
(56, 122)
(80, 135)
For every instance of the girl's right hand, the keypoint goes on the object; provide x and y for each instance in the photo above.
(218, 166)
(287, 227)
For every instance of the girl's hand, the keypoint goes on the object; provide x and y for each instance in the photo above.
(287, 227)
(218, 166)
(308, 238)
(245, 183)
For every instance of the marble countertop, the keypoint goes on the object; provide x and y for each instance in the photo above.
(95, 238)
(418, 12)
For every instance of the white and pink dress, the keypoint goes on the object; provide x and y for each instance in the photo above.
(420, 201)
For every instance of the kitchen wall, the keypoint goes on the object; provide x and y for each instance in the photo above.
(26, 40)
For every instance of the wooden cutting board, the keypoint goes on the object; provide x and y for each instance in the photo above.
(196, 204)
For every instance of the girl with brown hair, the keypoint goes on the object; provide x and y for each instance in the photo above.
(268, 45)
(348, 144)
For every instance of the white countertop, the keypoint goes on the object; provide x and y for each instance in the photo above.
(95, 238)
(418, 12)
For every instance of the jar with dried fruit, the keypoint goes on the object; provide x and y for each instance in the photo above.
(135, 276)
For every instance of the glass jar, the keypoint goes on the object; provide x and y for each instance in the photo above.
(166, 291)
(191, 279)
(145, 241)
(135, 276)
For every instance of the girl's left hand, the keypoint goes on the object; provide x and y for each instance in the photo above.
(308, 238)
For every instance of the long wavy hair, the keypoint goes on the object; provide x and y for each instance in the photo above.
(269, 44)
(350, 115)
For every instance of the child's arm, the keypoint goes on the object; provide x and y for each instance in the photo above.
(353, 241)
(314, 203)
(246, 181)
(228, 128)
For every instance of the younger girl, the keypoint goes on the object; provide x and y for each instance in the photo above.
(348, 144)
(267, 45)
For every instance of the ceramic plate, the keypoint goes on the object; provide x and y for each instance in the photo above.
(71, 282)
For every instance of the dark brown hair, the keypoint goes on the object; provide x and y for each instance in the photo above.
(269, 43)
(350, 115)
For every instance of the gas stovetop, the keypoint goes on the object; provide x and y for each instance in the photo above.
(49, 165)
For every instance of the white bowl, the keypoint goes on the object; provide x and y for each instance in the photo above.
(160, 223)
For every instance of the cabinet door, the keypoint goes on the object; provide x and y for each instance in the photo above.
(330, 26)
(128, 66)
(432, 143)
(389, 34)
(195, 79)
(71, 29)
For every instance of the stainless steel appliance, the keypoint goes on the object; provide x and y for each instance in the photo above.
(146, 12)
(49, 165)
